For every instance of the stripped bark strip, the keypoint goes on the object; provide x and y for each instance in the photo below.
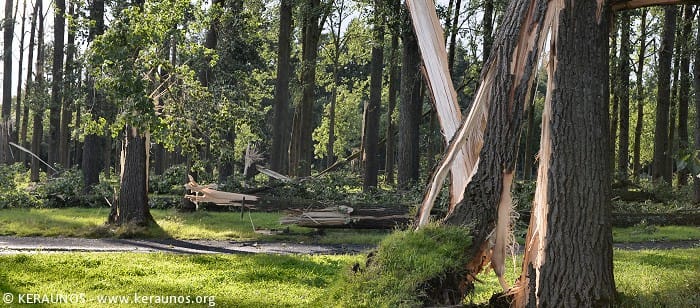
(432, 46)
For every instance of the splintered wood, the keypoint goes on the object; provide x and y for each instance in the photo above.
(432, 47)
(348, 217)
(208, 193)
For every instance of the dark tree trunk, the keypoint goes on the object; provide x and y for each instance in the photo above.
(696, 79)
(569, 254)
(29, 86)
(453, 37)
(530, 138)
(393, 91)
(131, 206)
(615, 100)
(280, 139)
(9, 28)
(37, 104)
(684, 92)
(488, 29)
(67, 111)
(371, 147)
(661, 132)
(301, 147)
(18, 104)
(624, 96)
(640, 95)
(673, 107)
(409, 111)
(59, 25)
(94, 144)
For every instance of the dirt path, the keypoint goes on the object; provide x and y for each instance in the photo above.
(14, 245)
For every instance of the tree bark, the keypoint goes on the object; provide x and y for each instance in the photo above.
(9, 28)
(94, 144)
(624, 97)
(393, 91)
(301, 147)
(661, 131)
(408, 164)
(371, 147)
(37, 104)
(59, 25)
(280, 140)
(684, 92)
(640, 95)
(615, 100)
(487, 24)
(69, 86)
(131, 206)
(29, 86)
(568, 257)
(18, 103)
(696, 81)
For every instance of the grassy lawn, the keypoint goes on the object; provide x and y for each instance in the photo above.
(89, 222)
(644, 278)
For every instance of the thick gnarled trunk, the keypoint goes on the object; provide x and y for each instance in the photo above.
(131, 206)
(568, 252)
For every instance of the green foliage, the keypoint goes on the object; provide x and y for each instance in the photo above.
(170, 182)
(403, 263)
(64, 190)
(16, 193)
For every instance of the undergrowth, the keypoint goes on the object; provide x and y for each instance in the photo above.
(397, 273)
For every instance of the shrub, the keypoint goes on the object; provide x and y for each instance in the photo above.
(170, 182)
(16, 192)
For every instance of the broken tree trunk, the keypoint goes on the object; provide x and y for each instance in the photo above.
(350, 217)
(496, 114)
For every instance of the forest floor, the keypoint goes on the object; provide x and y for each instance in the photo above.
(15, 244)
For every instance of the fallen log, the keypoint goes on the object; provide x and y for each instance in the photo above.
(348, 217)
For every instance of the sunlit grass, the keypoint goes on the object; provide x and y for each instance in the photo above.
(648, 278)
(654, 233)
(232, 280)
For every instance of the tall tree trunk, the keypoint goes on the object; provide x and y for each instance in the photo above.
(280, 139)
(661, 132)
(29, 86)
(673, 107)
(696, 81)
(131, 206)
(371, 146)
(301, 147)
(69, 85)
(615, 100)
(487, 24)
(684, 92)
(38, 103)
(93, 146)
(640, 95)
(9, 28)
(454, 28)
(557, 273)
(393, 91)
(18, 103)
(59, 25)
(624, 96)
(530, 138)
(409, 111)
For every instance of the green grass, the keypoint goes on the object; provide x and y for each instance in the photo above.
(232, 280)
(89, 222)
(647, 278)
(645, 233)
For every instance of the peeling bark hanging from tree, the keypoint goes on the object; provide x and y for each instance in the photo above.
(505, 88)
(432, 45)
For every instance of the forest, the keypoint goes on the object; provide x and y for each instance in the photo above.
(439, 135)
